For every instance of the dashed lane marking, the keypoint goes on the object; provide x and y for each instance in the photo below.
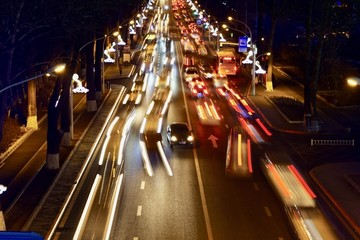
(267, 211)
(142, 186)
(139, 209)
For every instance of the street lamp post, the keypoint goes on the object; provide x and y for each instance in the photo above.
(32, 116)
(57, 69)
(216, 33)
(253, 48)
(68, 136)
(116, 34)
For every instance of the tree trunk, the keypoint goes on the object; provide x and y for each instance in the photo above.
(91, 105)
(5, 76)
(32, 108)
(323, 26)
(67, 108)
(6, 60)
(54, 134)
(307, 80)
(275, 16)
(99, 85)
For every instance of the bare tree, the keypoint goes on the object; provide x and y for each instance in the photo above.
(277, 11)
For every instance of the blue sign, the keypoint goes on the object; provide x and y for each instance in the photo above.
(243, 44)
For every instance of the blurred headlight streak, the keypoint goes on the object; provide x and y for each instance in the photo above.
(113, 205)
(238, 154)
(124, 136)
(86, 211)
(108, 135)
(146, 159)
(138, 99)
(163, 158)
(166, 104)
(159, 127)
(126, 99)
(145, 82)
(150, 108)
(142, 127)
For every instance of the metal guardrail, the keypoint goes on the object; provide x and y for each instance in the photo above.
(346, 142)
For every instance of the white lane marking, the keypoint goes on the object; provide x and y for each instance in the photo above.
(213, 140)
(202, 195)
(164, 159)
(138, 212)
(256, 187)
(268, 212)
(198, 172)
(142, 186)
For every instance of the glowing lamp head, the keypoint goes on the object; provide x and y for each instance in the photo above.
(352, 81)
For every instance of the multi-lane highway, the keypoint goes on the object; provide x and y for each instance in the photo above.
(136, 187)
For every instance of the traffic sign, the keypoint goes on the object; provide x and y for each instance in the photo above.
(242, 44)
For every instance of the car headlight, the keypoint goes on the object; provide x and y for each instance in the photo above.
(173, 138)
(190, 138)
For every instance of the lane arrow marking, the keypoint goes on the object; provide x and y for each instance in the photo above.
(213, 140)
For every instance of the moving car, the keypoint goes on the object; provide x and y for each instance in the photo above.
(188, 61)
(206, 70)
(220, 80)
(197, 88)
(179, 133)
(190, 73)
(136, 94)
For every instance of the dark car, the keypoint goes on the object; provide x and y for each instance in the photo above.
(178, 133)
(206, 70)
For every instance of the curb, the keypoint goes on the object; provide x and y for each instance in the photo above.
(18, 142)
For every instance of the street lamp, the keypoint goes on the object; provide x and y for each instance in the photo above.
(253, 48)
(353, 81)
(32, 118)
(116, 34)
(216, 32)
(56, 69)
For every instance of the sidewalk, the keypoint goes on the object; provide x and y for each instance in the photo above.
(273, 116)
(120, 72)
(339, 182)
(31, 148)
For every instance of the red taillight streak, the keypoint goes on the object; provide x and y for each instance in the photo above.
(263, 127)
(249, 155)
(297, 175)
(279, 180)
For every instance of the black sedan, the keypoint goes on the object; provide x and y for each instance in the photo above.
(179, 133)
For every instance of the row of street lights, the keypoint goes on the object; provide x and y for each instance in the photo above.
(253, 49)
(56, 69)
(216, 33)
(252, 46)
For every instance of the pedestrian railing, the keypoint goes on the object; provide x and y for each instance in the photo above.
(347, 142)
